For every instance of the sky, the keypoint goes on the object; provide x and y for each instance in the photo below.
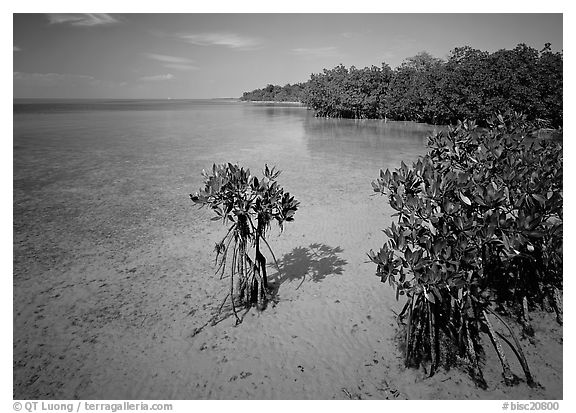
(188, 56)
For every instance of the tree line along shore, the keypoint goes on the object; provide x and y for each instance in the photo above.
(469, 84)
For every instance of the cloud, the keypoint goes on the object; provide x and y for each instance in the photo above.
(173, 62)
(179, 66)
(17, 49)
(231, 40)
(82, 19)
(157, 78)
(317, 52)
(168, 59)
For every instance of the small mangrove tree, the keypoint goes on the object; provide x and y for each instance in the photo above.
(249, 205)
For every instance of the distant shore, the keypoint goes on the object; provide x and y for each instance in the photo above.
(275, 102)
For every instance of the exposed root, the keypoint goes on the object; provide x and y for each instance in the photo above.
(509, 378)
(232, 299)
(272, 253)
(557, 305)
(432, 332)
(408, 335)
(473, 359)
(517, 350)
(524, 319)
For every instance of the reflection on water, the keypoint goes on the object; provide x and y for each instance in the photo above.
(359, 141)
(347, 141)
(276, 111)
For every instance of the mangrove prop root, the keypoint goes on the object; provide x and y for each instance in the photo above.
(259, 268)
(404, 309)
(524, 320)
(234, 263)
(232, 298)
(260, 265)
(474, 364)
(413, 339)
(247, 283)
(414, 351)
(222, 305)
(271, 253)
(261, 298)
(509, 378)
(433, 339)
(408, 332)
(222, 266)
(546, 306)
(557, 305)
(417, 342)
(517, 350)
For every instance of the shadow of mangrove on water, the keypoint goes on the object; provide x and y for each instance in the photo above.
(315, 262)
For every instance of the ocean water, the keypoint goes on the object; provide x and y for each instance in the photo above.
(113, 262)
(84, 167)
(114, 173)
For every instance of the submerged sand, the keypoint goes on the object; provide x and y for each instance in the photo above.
(114, 265)
(122, 323)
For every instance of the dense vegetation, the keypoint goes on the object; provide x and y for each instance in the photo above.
(274, 93)
(249, 205)
(354, 93)
(470, 84)
(478, 238)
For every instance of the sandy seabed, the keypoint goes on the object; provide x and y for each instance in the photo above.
(122, 323)
(114, 265)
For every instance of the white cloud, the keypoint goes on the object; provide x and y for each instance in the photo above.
(173, 62)
(17, 49)
(82, 19)
(168, 59)
(157, 78)
(317, 52)
(180, 66)
(231, 40)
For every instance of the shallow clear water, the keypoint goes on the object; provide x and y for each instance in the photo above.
(114, 265)
(109, 172)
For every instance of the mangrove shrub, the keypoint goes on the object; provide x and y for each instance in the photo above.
(249, 205)
(478, 237)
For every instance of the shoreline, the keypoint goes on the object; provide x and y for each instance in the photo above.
(276, 102)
